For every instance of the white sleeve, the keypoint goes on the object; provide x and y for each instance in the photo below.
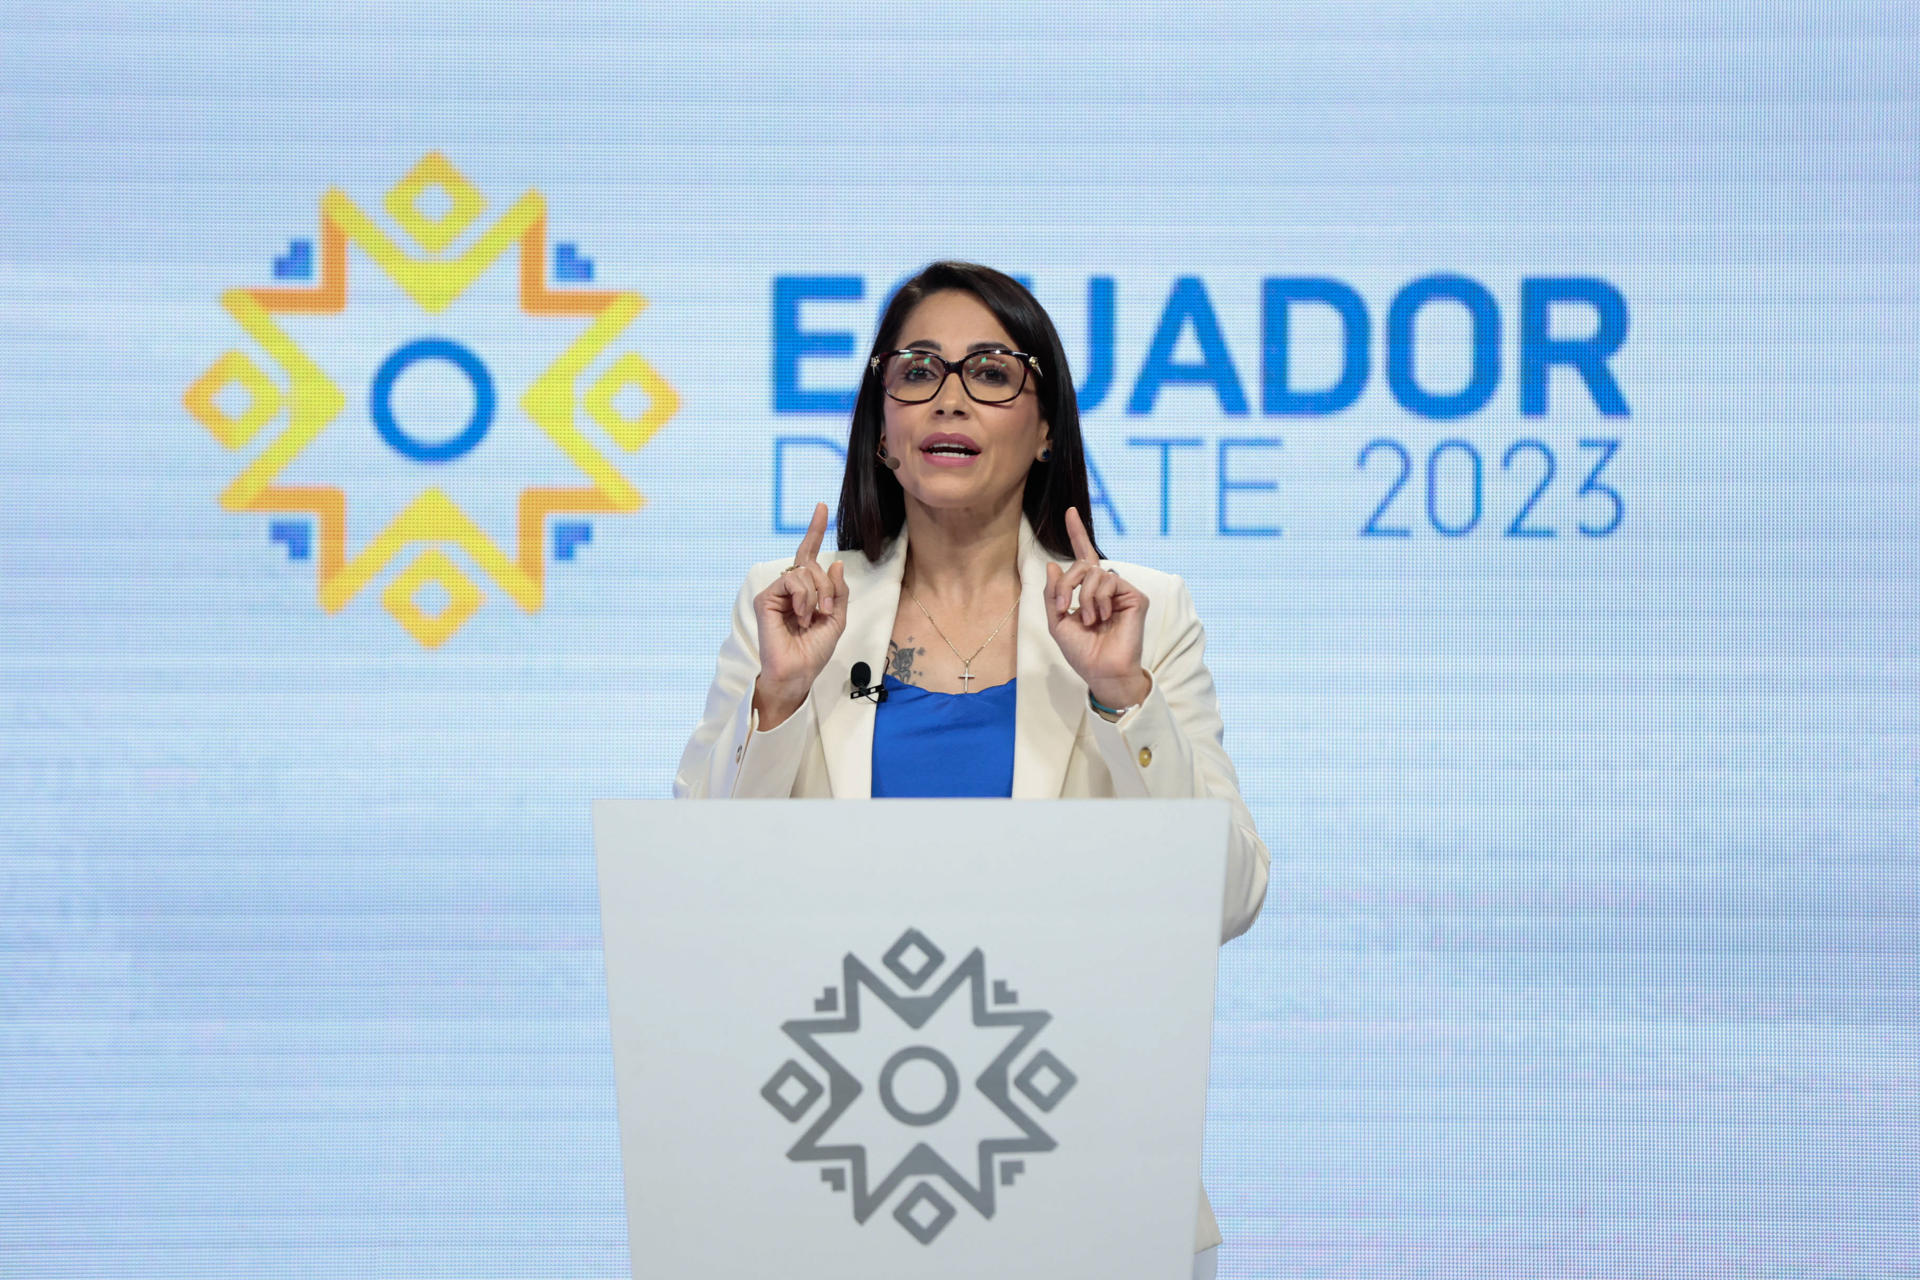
(729, 755)
(1170, 747)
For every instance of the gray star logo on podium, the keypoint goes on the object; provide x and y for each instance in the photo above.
(920, 1087)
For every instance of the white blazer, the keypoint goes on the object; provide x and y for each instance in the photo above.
(1168, 747)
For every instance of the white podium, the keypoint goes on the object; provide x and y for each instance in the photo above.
(911, 1038)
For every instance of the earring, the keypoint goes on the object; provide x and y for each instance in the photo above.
(887, 460)
(1046, 455)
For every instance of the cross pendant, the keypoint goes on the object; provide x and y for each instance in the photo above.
(966, 674)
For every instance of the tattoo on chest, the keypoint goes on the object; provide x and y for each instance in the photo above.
(900, 662)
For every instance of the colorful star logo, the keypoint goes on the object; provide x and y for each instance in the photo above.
(440, 212)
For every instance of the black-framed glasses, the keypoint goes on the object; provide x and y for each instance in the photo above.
(989, 377)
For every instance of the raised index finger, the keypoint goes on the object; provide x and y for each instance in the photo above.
(1077, 535)
(809, 552)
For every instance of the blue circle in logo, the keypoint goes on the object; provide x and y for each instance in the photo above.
(380, 400)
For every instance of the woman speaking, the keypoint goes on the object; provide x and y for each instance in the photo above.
(1014, 660)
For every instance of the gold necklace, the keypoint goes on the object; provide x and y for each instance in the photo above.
(966, 663)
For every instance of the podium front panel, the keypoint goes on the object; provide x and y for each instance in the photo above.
(911, 1038)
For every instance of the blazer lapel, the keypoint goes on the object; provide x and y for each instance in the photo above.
(1050, 701)
(846, 723)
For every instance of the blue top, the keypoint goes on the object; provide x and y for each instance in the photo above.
(943, 744)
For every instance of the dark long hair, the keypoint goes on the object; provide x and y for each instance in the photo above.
(872, 505)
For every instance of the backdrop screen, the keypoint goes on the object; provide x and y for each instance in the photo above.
(394, 396)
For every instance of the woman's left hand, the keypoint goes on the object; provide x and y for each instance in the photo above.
(1101, 638)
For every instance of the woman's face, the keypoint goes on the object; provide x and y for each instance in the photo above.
(956, 453)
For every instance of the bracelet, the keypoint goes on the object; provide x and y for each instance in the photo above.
(1111, 713)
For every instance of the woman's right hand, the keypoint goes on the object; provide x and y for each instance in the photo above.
(801, 616)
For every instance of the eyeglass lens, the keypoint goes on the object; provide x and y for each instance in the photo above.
(991, 377)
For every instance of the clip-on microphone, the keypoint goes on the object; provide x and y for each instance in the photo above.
(861, 673)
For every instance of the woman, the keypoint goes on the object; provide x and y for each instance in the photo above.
(1016, 662)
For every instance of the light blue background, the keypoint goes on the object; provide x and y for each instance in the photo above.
(1591, 947)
